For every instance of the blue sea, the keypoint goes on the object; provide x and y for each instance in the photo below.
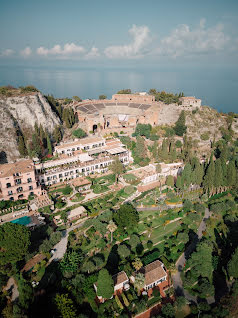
(217, 87)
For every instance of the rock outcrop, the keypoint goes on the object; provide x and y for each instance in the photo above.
(21, 113)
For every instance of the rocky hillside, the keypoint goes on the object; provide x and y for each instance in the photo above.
(21, 113)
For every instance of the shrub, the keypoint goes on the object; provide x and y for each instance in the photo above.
(125, 300)
(118, 302)
(79, 133)
(204, 136)
(149, 244)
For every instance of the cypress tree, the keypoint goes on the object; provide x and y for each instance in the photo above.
(22, 147)
(218, 178)
(49, 145)
(180, 127)
(209, 176)
(179, 183)
(155, 151)
(231, 174)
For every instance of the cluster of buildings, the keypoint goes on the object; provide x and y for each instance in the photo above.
(86, 156)
(155, 276)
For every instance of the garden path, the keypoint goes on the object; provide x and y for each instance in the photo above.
(177, 281)
(61, 247)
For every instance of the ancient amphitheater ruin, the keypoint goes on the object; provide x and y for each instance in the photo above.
(125, 111)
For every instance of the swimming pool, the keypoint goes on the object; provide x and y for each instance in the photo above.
(23, 220)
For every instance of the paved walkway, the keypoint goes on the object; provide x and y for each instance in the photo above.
(177, 281)
(61, 247)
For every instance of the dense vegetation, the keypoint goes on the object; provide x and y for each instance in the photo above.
(167, 98)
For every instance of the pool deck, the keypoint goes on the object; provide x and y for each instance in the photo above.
(11, 216)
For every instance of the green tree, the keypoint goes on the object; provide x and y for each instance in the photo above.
(139, 282)
(134, 241)
(49, 145)
(79, 133)
(65, 306)
(21, 146)
(102, 97)
(143, 130)
(209, 177)
(105, 285)
(126, 216)
(123, 251)
(218, 177)
(117, 168)
(140, 151)
(168, 311)
(78, 99)
(57, 134)
(163, 151)
(124, 91)
(70, 262)
(111, 227)
(170, 181)
(231, 174)
(232, 265)
(25, 292)
(180, 127)
(137, 264)
(14, 242)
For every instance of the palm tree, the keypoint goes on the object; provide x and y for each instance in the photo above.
(137, 264)
(139, 282)
(111, 228)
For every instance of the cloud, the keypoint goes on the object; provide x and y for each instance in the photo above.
(184, 41)
(7, 52)
(69, 49)
(93, 53)
(26, 52)
(136, 49)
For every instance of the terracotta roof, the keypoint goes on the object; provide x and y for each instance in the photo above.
(20, 167)
(80, 181)
(153, 272)
(33, 261)
(119, 278)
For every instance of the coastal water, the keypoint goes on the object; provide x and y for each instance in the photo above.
(216, 87)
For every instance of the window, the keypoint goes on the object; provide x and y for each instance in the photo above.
(55, 177)
(71, 172)
(12, 199)
(18, 181)
(30, 187)
(73, 149)
(66, 174)
(32, 193)
(9, 185)
(29, 180)
(10, 192)
(20, 189)
(60, 175)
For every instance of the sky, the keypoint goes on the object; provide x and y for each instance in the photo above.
(125, 33)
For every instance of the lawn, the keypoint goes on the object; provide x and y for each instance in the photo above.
(159, 233)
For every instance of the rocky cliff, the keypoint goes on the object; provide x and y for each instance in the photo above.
(21, 113)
